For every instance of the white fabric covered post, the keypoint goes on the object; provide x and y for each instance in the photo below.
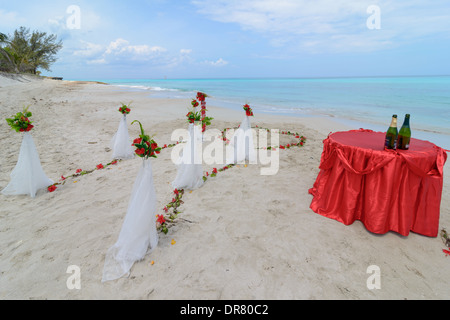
(121, 144)
(190, 169)
(28, 176)
(138, 234)
(241, 147)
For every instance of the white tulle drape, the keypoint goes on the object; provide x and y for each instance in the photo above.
(190, 169)
(138, 236)
(241, 147)
(121, 143)
(28, 176)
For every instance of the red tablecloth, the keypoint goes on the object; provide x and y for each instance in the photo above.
(396, 191)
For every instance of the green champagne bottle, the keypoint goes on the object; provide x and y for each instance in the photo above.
(392, 134)
(404, 136)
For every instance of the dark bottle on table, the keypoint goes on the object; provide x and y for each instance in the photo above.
(404, 136)
(392, 135)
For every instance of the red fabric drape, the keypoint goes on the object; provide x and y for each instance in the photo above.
(396, 191)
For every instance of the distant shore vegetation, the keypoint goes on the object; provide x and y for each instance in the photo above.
(27, 52)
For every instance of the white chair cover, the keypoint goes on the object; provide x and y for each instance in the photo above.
(241, 147)
(138, 235)
(28, 176)
(190, 169)
(121, 143)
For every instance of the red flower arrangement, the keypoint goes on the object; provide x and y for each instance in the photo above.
(205, 120)
(146, 147)
(124, 109)
(248, 111)
(174, 205)
(201, 96)
(194, 103)
(197, 116)
(161, 220)
(21, 122)
(193, 117)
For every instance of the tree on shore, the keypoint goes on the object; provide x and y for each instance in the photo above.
(27, 52)
(6, 63)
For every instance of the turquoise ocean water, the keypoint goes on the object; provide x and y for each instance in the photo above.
(364, 102)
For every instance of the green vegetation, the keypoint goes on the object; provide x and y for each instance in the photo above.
(26, 52)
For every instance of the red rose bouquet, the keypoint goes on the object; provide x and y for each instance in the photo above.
(197, 116)
(194, 103)
(21, 122)
(146, 147)
(124, 109)
(193, 116)
(201, 96)
(248, 111)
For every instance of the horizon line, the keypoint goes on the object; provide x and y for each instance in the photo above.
(265, 78)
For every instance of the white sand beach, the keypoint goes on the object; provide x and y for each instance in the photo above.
(242, 236)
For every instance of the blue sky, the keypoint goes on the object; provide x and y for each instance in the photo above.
(239, 38)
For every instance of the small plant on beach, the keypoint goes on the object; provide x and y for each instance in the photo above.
(124, 109)
(248, 111)
(145, 146)
(21, 121)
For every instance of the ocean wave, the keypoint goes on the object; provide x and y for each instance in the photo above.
(163, 89)
(133, 87)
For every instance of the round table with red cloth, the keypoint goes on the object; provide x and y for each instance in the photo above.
(386, 190)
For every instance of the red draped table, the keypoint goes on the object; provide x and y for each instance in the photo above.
(390, 190)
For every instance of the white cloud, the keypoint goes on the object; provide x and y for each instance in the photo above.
(292, 16)
(97, 61)
(117, 47)
(185, 51)
(122, 48)
(333, 25)
(89, 49)
(10, 18)
(121, 51)
(218, 63)
(118, 50)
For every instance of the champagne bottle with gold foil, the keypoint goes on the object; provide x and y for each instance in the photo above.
(404, 136)
(392, 135)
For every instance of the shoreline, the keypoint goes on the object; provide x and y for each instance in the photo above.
(242, 236)
(438, 138)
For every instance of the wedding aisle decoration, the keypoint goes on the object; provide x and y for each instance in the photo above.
(139, 232)
(28, 176)
(206, 121)
(189, 166)
(138, 235)
(170, 213)
(120, 143)
(241, 146)
(80, 172)
(172, 210)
